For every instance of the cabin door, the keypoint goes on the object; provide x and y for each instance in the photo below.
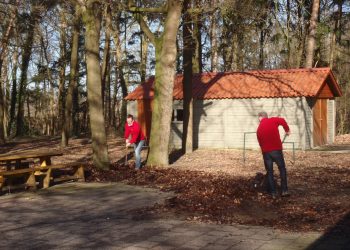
(320, 122)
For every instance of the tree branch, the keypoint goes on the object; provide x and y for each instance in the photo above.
(143, 25)
(134, 9)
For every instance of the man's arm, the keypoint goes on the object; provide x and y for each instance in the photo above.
(282, 122)
(126, 132)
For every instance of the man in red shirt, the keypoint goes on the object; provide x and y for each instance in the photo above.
(271, 147)
(134, 137)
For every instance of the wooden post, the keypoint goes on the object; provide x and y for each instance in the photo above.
(31, 183)
(47, 179)
(79, 173)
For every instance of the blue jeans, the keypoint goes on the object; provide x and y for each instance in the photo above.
(138, 147)
(278, 158)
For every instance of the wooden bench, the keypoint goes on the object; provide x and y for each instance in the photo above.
(15, 165)
(47, 173)
(27, 173)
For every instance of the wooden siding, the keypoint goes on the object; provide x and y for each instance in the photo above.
(131, 108)
(144, 116)
(221, 123)
(325, 92)
(331, 121)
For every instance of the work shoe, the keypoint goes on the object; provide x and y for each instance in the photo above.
(285, 194)
(274, 196)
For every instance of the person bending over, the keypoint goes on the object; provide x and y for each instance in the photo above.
(271, 146)
(134, 137)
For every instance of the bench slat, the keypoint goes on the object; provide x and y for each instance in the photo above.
(58, 166)
(17, 171)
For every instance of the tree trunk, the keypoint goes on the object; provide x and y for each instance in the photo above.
(165, 48)
(27, 51)
(62, 74)
(187, 85)
(143, 64)
(13, 91)
(261, 47)
(120, 77)
(197, 35)
(335, 34)
(3, 52)
(92, 21)
(214, 41)
(68, 121)
(234, 53)
(108, 98)
(2, 108)
(123, 111)
(288, 38)
(311, 42)
(51, 112)
(105, 60)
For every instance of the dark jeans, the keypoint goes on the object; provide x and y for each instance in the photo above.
(269, 159)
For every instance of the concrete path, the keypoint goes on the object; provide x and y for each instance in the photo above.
(103, 216)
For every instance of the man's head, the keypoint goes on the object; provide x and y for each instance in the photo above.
(262, 115)
(129, 119)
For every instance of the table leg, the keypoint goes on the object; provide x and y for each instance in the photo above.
(8, 165)
(47, 179)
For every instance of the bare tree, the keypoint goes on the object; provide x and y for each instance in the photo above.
(165, 48)
(187, 85)
(92, 20)
(73, 81)
(311, 41)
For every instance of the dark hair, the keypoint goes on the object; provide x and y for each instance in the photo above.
(130, 116)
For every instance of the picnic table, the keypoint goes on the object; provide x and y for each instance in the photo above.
(17, 165)
(17, 158)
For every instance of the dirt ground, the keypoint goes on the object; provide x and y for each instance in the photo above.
(215, 186)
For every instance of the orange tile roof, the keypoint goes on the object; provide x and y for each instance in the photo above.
(250, 84)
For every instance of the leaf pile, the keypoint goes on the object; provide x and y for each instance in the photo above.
(317, 201)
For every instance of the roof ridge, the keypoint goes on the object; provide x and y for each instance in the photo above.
(262, 71)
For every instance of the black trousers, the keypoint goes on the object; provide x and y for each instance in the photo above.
(278, 158)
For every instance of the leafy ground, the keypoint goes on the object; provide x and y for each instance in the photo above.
(215, 185)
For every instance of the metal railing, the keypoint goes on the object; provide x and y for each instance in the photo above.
(244, 146)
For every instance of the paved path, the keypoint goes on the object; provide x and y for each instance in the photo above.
(90, 216)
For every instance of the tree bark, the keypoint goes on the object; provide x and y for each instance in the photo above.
(106, 56)
(2, 108)
(51, 113)
(311, 42)
(163, 89)
(143, 64)
(92, 21)
(119, 76)
(197, 35)
(187, 85)
(3, 51)
(62, 73)
(13, 91)
(27, 51)
(68, 119)
(261, 47)
(214, 41)
(336, 34)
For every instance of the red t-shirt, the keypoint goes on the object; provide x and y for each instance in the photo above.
(268, 134)
(135, 131)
